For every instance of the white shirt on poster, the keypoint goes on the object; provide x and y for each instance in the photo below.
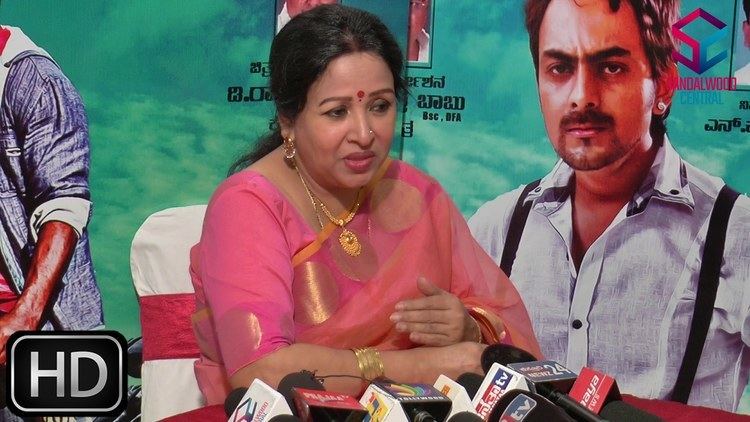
(743, 75)
(282, 19)
(626, 311)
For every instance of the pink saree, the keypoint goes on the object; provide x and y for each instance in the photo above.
(264, 279)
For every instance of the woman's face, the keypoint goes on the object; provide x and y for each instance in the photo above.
(344, 132)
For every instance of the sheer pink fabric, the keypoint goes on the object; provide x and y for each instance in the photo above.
(265, 280)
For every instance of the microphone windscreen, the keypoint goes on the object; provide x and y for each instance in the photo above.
(470, 382)
(521, 405)
(465, 416)
(233, 400)
(284, 418)
(618, 410)
(302, 379)
(504, 354)
(135, 357)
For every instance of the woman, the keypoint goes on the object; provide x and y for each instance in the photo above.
(326, 255)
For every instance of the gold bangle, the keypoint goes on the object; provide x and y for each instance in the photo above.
(479, 330)
(360, 364)
(366, 363)
(369, 362)
(378, 367)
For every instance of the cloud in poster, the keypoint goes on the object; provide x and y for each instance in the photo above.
(123, 47)
(720, 160)
(474, 164)
(148, 156)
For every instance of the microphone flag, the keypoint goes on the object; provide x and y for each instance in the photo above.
(394, 402)
(460, 400)
(593, 389)
(498, 381)
(260, 403)
(319, 405)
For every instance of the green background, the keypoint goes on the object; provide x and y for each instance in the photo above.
(154, 78)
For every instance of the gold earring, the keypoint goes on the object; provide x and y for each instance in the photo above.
(289, 150)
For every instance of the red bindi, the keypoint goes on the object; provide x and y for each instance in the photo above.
(360, 94)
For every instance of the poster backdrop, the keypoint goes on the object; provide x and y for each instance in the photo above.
(175, 90)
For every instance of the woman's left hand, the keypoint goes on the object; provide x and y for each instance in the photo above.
(437, 319)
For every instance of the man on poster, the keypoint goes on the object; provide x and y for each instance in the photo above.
(420, 12)
(609, 259)
(292, 8)
(46, 276)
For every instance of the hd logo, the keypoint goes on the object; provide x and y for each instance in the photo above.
(61, 373)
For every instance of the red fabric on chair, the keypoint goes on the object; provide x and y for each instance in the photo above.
(165, 324)
(159, 260)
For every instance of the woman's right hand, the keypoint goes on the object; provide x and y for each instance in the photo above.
(453, 360)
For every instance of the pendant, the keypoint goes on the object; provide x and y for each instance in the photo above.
(349, 242)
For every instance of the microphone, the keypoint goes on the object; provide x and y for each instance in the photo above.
(599, 393)
(546, 377)
(459, 397)
(321, 405)
(379, 404)
(592, 389)
(135, 357)
(303, 379)
(550, 379)
(620, 411)
(465, 417)
(313, 403)
(496, 383)
(545, 374)
(471, 382)
(393, 402)
(519, 405)
(284, 418)
(504, 354)
(233, 400)
(257, 403)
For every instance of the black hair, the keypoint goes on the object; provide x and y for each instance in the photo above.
(655, 19)
(301, 52)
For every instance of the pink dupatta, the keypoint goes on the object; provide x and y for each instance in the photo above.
(408, 228)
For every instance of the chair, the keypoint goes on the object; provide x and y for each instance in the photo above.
(159, 259)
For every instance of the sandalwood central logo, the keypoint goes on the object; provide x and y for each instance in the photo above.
(697, 89)
(699, 62)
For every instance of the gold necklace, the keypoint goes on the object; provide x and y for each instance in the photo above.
(348, 240)
(312, 201)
